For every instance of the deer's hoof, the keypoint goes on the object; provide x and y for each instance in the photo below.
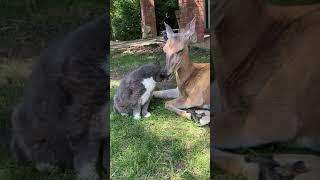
(271, 169)
(199, 118)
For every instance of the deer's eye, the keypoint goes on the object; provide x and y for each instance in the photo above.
(180, 51)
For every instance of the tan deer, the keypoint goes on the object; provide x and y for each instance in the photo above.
(268, 84)
(193, 79)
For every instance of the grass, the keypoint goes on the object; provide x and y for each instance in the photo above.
(27, 26)
(163, 146)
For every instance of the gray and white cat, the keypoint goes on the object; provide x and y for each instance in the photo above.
(135, 91)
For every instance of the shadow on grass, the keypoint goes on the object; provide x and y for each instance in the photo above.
(137, 153)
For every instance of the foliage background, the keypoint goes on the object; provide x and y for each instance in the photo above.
(126, 17)
(27, 26)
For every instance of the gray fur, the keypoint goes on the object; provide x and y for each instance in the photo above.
(62, 118)
(127, 97)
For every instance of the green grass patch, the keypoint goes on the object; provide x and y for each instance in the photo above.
(28, 26)
(163, 146)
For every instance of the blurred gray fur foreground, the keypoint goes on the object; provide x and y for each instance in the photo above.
(61, 121)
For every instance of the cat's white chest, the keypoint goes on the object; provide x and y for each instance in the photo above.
(149, 84)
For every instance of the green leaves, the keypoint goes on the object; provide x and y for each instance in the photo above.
(125, 19)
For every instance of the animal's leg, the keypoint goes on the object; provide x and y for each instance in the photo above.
(201, 117)
(167, 94)
(235, 164)
(309, 167)
(176, 105)
(312, 143)
(85, 159)
(145, 107)
(115, 109)
(18, 152)
(106, 156)
(276, 167)
(38, 153)
(87, 128)
(137, 111)
(237, 129)
(46, 167)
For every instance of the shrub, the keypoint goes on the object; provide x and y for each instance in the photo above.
(125, 19)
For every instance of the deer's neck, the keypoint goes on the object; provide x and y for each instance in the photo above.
(237, 35)
(185, 70)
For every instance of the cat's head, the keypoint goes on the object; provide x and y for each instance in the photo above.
(157, 70)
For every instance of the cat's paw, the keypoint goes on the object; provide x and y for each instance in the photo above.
(46, 167)
(147, 115)
(124, 114)
(137, 117)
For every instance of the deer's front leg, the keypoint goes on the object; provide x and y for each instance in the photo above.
(166, 94)
(176, 105)
(85, 159)
(201, 117)
(236, 164)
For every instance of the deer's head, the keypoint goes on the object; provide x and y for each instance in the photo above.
(176, 46)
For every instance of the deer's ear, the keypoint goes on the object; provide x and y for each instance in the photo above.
(189, 30)
(169, 30)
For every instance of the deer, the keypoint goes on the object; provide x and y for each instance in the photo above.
(193, 79)
(267, 82)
